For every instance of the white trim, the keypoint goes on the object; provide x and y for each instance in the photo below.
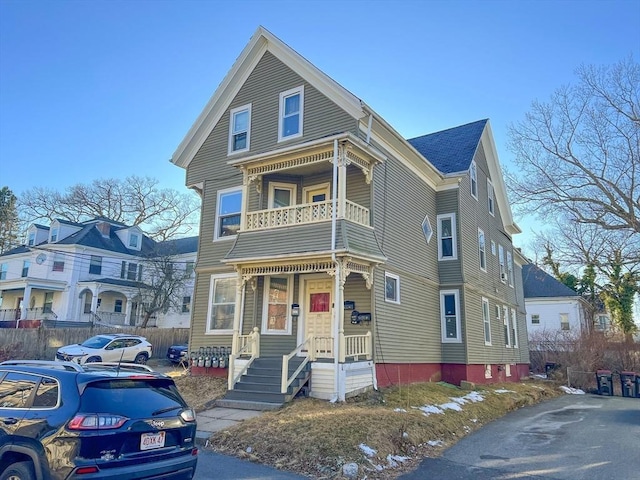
(487, 370)
(482, 250)
(428, 236)
(454, 239)
(232, 113)
(302, 301)
(216, 228)
(509, 262)
(493, 248)
(283, 96)
(473, 179)
(502, 263)
(486, 320)
(292, 187)
(212, 279)
(505, 324)
(443, 329)
(397, 279)
(514, 328)
(265, 305)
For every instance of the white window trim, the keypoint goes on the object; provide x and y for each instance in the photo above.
(510, 268)
(265, 306)
(486, 320)
(502, 264)
(397, 279)
(283, 95)
(292, 187)
(487, 371)
(454, 239)
(137, 237)
(491, 199)
(473, 179)
(427, 222)
(215, 226)
(568, 322)
(443, 323)
(506, 324)
(54, 235)
(212, 282)
(318, 186)
(493, 248)
(514, 327)
(243, 108)
(507, 369)
(482, 250)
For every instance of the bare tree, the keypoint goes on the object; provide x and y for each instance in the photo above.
(579, 153)
(162, 213)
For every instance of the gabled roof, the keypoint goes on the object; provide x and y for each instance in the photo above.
(539, 284)
(178, 246)
(69, 222)
(261, 42)
(451, 150)
(16, 251)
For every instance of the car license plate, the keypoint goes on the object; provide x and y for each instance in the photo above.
(149, 441)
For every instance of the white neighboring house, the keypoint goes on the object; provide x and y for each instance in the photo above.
(553, 307)
(89, 271)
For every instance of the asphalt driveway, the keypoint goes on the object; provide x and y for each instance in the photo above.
(577, 437)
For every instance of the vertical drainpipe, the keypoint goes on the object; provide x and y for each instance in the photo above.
(336, 327)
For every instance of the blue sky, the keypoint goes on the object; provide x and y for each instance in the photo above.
(95, 89)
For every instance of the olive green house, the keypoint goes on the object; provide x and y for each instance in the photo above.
(337, 255)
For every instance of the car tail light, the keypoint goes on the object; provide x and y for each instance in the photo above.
(96, 422)
(85, 470)
(188, 415)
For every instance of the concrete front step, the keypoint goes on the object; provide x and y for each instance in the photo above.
(247, 404)
(257, 396)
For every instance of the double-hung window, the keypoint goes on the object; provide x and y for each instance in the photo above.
(186, 304)
(503, 269)
(47, 306)
(132, 271)
(134, 240)
(486, 319)
(391, 288)
(490, 198)
(222, 303)
(240, 129)
(514, 328)
(32, 239)
(482, 250)
(228, 212)
(95, 265)
(564, 321)
(58, 262)
(54, 235)
(282, 194)
(447, 243)
(450, 316)
(291, 113)
(505, 323)
(473, 174)
(277, 298)
(25, 268)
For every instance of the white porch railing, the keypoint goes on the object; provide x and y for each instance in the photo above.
(287, 379)
(245, 345)
(303, 213)
(356, 346)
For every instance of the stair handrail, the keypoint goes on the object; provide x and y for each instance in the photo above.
(288, 380)
(253, 344)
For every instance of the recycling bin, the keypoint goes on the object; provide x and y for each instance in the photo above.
(627, 382)
(605, 382)
(549, 367)
(637, 386)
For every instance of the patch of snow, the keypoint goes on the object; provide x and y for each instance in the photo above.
(474, 397)
(367, 450)
(400, 410)
(435, 443)
(502, 390)
(451, 406)
(571, 391)
(393, 460)
(474, 420)
(249, 450)
(429, 409)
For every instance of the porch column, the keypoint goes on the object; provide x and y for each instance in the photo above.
(127, 316)
(240, 283)
(245, 201)
(342, 181)
(94, 300)
(25, 302)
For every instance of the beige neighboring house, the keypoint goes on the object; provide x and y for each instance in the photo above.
(339, 255)
(88, 272)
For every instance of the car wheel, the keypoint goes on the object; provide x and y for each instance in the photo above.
(18, 471)
(141, 359)
(93, 359)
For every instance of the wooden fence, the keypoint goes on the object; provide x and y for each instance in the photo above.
(42, 343)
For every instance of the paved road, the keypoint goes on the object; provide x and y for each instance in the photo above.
(213, 466)
(576, 437)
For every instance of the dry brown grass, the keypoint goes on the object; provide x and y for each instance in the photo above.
(200, 392)
(316, 438)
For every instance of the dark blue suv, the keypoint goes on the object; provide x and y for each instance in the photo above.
(60, 420)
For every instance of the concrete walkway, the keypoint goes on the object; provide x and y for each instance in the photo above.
(219, 418)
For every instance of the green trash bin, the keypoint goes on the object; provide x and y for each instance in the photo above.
(627, 384)
(605, 382)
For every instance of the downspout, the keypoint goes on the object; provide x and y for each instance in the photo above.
(369, 128)
(336, 293)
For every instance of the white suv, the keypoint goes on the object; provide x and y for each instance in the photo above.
(107, 348)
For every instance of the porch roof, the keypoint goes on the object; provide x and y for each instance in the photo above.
(353, 239)
(115, 281)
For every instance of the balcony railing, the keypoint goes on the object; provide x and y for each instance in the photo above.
(304, 213)
(39, 313)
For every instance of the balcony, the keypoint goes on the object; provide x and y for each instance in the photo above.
(304, 214)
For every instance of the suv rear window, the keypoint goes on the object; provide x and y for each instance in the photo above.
(132, 398)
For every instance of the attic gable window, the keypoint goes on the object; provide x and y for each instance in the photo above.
(291, 113)
(490, 198)
(240, 129)
(426, 229)
(134, 240)
(32, 239)
(473, 173)
(54, 235)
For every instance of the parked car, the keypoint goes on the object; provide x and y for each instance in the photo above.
(61, 420)
(107, 348)
(178, 353)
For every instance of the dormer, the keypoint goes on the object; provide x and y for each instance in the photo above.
(61, 229)
(131, 237)
(36, 234)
